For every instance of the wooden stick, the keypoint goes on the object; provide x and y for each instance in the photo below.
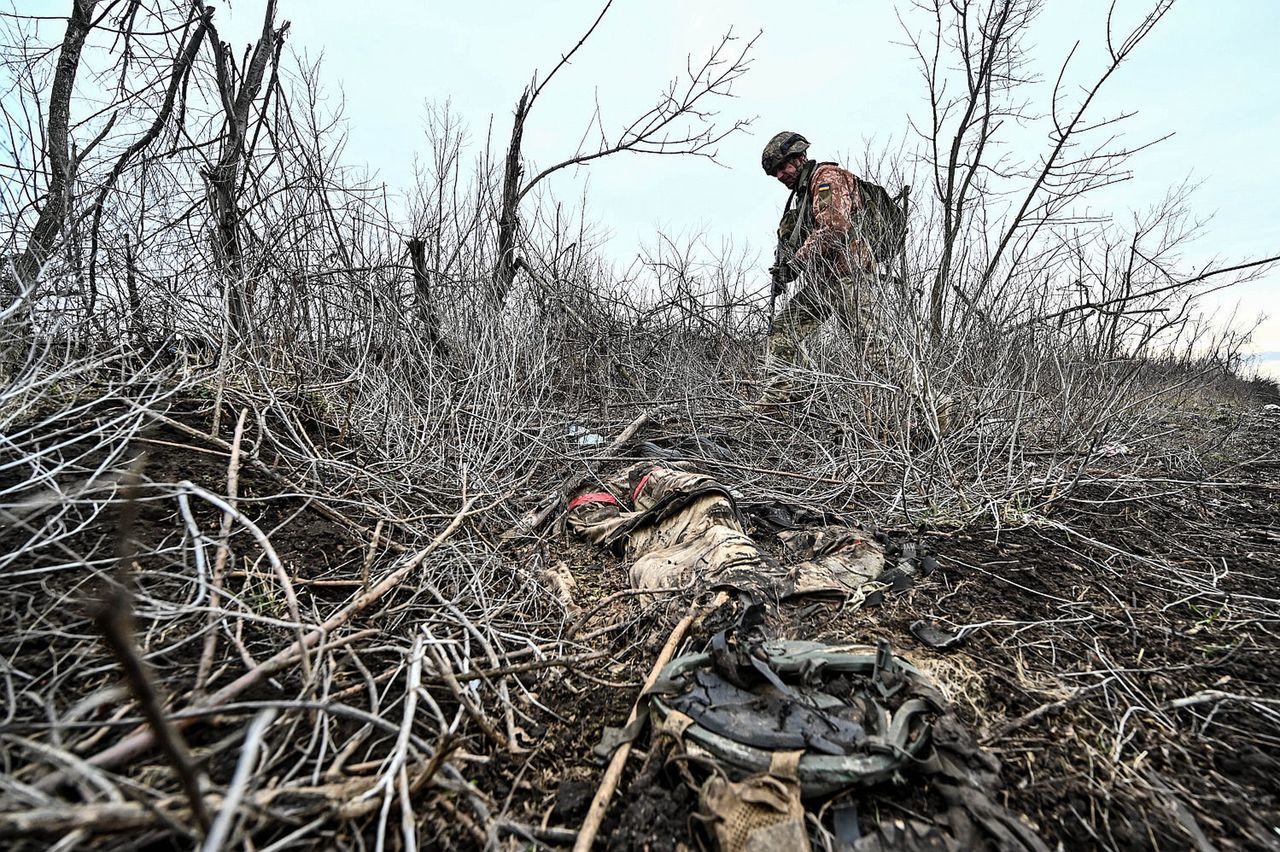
(220, 561)
(445, 670)
(600, 804)
(114, 817)
(114, 617)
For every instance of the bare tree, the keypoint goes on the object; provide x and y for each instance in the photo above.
(20, 282)
(198, 24)
(239, 91)
(972, 170)
(988, 45)
(1064, 173)
(679, 123)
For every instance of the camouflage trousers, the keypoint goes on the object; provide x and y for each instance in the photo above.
(851, 301)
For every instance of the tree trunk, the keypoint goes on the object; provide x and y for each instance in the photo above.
(504, 274)
(422, 296)
(224, 177)
(19, 281)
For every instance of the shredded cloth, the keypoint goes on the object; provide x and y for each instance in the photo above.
(761, 813)
(679, 528)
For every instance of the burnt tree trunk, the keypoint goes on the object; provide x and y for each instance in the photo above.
(422, 296)
(504, 274)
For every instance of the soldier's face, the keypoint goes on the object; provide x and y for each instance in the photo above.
(787, 172)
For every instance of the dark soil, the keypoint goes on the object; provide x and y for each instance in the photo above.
(1124, 670)
(1122, 658)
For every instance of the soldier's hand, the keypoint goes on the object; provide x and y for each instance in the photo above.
(781, 274)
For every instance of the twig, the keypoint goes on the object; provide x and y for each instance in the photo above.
(600, 804)
(291, 598)
(1043, 710)
(142, 739)
(603, 602)
(464, 820)
(240, 780)
(538, 834)
(477, 715)
(394, 771)
(114, 620)
(114, 617)
(489, 674)
(220, 560)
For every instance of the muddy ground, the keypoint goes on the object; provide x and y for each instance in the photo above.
(1120, 660)
(1119, 657)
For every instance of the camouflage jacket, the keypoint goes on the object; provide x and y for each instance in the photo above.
(818, 229)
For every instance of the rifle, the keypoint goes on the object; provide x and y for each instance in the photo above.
(781, 274)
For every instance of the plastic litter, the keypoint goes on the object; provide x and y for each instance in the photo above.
(582, 436)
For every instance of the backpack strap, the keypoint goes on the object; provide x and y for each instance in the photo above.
(786, 764)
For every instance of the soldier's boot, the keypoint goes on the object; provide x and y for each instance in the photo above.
(778, 394)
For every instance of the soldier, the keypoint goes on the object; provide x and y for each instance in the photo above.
(817, 238)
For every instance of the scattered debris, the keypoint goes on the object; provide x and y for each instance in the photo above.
(678, 528)
(935, 637)
(584, 437)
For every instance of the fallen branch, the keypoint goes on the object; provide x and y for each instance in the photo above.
(142, 739)
(1041, 711)
(114, 618)
(244, 770)
(220, 560)
(613, 774)
(115, 817)
(477, 714)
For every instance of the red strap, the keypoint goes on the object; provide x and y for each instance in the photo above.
(635, 495)
(594, 497)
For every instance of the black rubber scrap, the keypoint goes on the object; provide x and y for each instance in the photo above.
(935, 637)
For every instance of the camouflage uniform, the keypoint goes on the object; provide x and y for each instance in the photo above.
(817, 239)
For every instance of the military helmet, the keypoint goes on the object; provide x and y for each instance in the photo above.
(781, 148)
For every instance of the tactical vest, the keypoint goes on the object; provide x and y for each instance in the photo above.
(797, 215)
(881, 220)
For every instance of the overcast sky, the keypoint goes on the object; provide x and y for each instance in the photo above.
(836, 71)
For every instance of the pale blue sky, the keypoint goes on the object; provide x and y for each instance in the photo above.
(836, 71)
